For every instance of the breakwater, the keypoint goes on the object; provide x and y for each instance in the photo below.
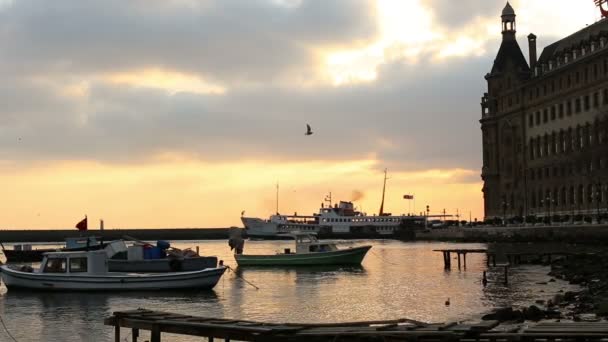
(58, 235)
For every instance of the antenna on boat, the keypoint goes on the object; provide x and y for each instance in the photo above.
(383, 192)
(328, 199)
(277, 198)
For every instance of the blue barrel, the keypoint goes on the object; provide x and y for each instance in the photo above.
(163, 244)
(152, 253)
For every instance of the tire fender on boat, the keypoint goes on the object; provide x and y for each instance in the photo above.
(175, 265)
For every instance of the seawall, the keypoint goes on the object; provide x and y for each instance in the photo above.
(593, 233)
(58, 235)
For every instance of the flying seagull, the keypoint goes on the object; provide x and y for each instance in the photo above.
(308, 130)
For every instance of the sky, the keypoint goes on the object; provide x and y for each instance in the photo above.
(183, 113)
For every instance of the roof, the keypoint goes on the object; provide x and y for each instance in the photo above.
(574, 40)
(74, 254)
(508, 10)
(510, 51)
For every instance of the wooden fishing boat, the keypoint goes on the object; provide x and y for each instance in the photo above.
(309, 251)
(87, 271)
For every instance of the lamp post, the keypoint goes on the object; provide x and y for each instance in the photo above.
(426, 220)
(548, 201)
(504, 212)
(598, 197)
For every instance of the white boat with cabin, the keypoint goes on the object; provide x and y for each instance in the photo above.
(88, 271)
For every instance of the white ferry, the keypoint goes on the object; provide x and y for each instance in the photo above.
(341, 218)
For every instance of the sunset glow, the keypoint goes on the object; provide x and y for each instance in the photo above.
(182, 114)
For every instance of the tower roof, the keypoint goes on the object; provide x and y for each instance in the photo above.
(508, 10)
(510, 51)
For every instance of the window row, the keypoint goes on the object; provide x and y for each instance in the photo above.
(568, 169)
(567, 108)
(572, 195)
(566, 141)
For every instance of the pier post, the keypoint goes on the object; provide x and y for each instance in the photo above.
(465, 260)
(484, 280)
(117, 332)
(134, 334)
(458, 259)
(155, 334)
(449, 259)
(506, 274)
(494, 260)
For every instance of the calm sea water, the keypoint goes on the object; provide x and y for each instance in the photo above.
(396, 280)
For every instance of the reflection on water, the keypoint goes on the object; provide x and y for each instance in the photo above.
(396, 280)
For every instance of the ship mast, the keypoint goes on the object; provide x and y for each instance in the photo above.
(277, 198)
(383, 191)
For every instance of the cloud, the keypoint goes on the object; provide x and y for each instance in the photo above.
(456, 14)
(228, 40)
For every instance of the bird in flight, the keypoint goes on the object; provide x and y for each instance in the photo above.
(308, 130)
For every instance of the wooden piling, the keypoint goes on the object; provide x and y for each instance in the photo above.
(465, 260)
(458, 259)
(134, 334)
(155, 334)
(484, 280)
(117, 332)
(506, 274)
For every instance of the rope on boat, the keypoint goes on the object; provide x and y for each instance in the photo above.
(240, 276)
(6, 329)
(384, 259)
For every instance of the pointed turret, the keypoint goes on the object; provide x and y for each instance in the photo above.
(509, 52)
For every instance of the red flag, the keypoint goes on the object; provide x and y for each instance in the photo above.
(82, 225)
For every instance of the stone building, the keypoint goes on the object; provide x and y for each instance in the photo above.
(545, 126)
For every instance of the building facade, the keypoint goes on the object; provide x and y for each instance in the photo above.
(545, 126)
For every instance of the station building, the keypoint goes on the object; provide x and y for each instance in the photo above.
(544, 126)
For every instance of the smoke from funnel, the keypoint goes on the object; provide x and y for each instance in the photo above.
(357, 195)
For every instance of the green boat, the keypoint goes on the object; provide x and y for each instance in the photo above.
(309, 251)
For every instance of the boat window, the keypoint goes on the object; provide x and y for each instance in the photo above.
(78, 265)
(55, 265)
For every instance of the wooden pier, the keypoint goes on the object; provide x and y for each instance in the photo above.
(391, 330)
(462, 256)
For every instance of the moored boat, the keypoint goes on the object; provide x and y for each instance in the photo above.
(25, 253)
(87, 271)
(309, 251)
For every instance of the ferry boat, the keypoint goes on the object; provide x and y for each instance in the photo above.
(340, 219)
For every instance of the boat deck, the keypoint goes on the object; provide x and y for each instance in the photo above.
(390, 330)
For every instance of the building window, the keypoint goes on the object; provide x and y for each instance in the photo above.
(596, 100)
(545, 116)
(531, 120)
(577, 105)
(552, 113)
(538, 118)
(605, 96)
(569, 108)
(586, 102)
(561, 111)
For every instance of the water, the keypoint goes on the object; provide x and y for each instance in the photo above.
(396, 280)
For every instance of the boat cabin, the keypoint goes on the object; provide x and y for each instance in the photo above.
(91, 262)
(308, 243)
(81, 242)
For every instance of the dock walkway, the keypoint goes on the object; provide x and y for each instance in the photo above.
(391, 330)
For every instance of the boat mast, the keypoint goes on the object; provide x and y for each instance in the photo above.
(383, 191)
(328, 199)
(277, 198)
